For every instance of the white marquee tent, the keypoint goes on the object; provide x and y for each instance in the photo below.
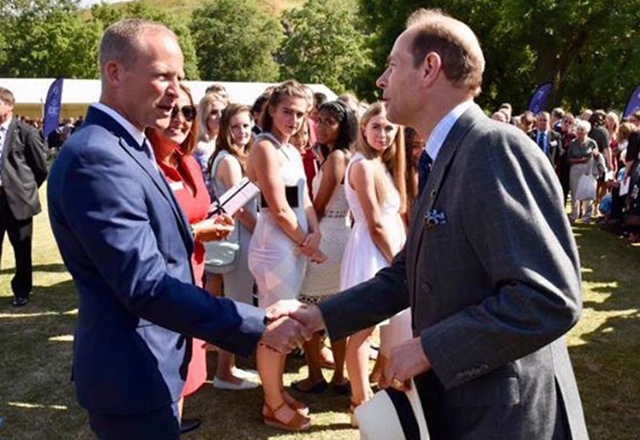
(77, 94)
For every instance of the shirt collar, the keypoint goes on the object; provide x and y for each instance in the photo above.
(6, 123)
(137, 135)
(442, 129)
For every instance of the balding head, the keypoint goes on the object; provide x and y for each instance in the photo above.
(455, 43)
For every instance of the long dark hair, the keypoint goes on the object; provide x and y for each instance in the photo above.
(347, 128)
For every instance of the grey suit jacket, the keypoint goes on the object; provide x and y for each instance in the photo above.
(491, 273)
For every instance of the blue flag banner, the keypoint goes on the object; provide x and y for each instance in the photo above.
(538, 101)
(52, 107)
(633, 104)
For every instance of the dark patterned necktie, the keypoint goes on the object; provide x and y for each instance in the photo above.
(424, 168)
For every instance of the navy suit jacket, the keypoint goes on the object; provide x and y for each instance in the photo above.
(127, 245)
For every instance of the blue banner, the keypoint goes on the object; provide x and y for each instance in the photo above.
(52, 107)
(633, 104)
(538, 101)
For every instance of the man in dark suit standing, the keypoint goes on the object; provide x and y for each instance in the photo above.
(490, 269)
(549, 141)
(23, 168)
(128, 247)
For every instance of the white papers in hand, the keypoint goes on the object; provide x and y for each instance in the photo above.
(235, 198)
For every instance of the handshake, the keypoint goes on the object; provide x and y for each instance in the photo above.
(290, 324)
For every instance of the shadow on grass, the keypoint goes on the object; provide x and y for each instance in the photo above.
(237, 414)
(37, 398)
(56, 268)
(606, 363)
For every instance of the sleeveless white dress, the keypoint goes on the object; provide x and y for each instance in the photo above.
(274, 259)
(323, 280)
(238, 284)
(362, 259)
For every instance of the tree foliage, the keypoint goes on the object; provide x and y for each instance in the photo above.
(587, 48)
(46, 38)
(324, 45)
(106, 15)
(584, 47)
(236, 41)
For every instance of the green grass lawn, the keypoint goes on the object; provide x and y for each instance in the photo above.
(37, 400)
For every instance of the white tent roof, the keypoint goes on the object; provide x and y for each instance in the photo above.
(86, 91)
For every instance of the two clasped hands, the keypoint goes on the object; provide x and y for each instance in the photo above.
(291, 323)
(310, 247)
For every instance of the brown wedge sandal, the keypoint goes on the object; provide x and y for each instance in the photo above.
(297, 423)
(301, 407)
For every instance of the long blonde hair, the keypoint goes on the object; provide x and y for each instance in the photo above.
(393, 158)
(225, 138)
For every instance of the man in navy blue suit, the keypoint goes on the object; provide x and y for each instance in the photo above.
(127, 245)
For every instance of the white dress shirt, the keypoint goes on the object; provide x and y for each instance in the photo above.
(442, 129)
(137, 135)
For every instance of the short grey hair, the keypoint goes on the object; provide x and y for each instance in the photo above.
(121, 41)
(585, 125)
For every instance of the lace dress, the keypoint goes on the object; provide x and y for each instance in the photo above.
(323, 280)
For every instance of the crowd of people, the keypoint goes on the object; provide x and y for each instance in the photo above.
(595, 156)
(338, 182)
(342, 189)
(333, 210)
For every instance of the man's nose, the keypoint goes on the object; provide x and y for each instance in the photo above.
(381, 82)
(174, 87)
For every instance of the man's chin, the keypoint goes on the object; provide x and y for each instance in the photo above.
(161, 123)
(392, 115)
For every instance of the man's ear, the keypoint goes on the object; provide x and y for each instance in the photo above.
(113, 72)
(430, 68)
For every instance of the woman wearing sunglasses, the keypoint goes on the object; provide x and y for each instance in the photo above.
(173, 148)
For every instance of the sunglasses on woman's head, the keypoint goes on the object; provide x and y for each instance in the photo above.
(188, 111)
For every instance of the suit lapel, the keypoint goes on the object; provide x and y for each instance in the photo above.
(442, 163)
(140, 157)
(437, 177)
(9, 137)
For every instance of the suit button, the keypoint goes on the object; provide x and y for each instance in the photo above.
(425, 287)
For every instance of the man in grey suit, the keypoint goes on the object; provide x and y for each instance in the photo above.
(490, 269)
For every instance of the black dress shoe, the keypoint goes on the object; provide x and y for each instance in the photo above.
(188, 425)
(20, 301)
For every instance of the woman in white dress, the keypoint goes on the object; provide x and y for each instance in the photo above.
(285, 236)
(375, 190)
(209, 112)
(227, 167)
(337, 131)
